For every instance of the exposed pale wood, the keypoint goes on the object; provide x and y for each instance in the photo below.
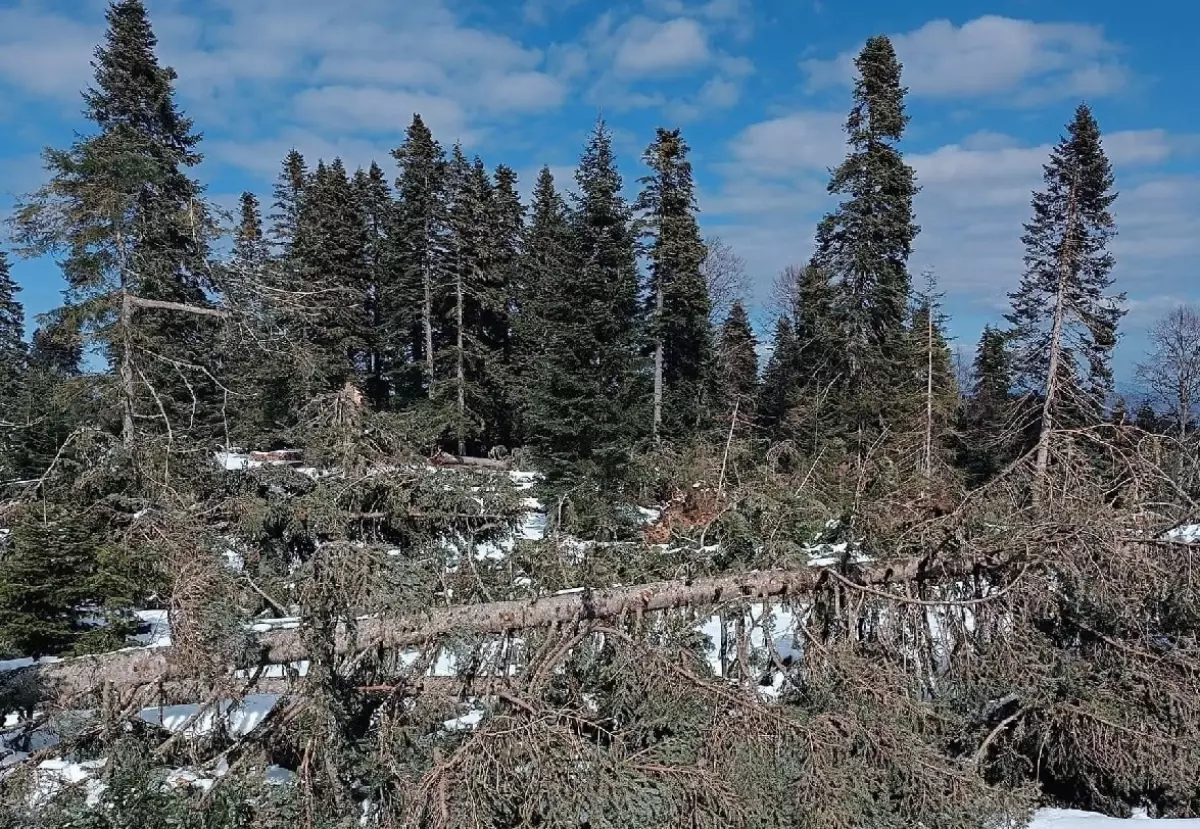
(153, 665)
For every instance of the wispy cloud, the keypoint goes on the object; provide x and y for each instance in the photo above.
(991, 55)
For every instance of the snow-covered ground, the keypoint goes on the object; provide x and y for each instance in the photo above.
(1071, 819)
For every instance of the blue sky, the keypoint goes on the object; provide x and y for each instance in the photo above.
(760, 88)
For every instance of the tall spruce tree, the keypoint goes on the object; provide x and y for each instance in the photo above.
(545, 260)
(586, 393)
(864, 245)
(331, 257)
(13, 370)
(1064, 315)
(781, 380)
(288, 192)
(13, 352)
(261, 403)
(51, 405)
(988, 441)
(376, 207)
(738, 360)
(476, 318)
(122, 208)
(679, 305)
(506, 227)
(411, 304)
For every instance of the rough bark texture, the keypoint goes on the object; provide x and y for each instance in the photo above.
(153, 665)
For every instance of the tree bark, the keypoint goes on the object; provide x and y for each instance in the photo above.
(127, 373)
(1066, 255)
(658, 360)
(460, 374)
(153, 665)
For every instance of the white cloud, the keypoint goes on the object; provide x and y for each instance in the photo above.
(353, 109)
(992, 54)
(46, 54)
(244, 63)
(974, 199)
(647, 47)
(263, 157)
(806, 140)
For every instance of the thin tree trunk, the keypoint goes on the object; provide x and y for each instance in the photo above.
(427, 308)
(658, 361)
(427, 323)
(1066, 254)
(459, 373)
(127, 374)
(929, 393)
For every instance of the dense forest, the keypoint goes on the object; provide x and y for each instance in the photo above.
(392, 500)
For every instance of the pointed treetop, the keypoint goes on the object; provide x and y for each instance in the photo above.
(132, 90)
(878, 94)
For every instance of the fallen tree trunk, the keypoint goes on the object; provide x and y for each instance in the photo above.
(154, 665)
(448, 460)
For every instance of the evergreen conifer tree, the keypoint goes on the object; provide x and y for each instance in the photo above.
(781, 377)
(376, 207)
(678, 315)
(331, 256)
(412, 303)
(289, 192)
(506, 228)
(544, 263)
(257, 371)
(738, 359)
(1064, 316)
(12, 340)
(122, 207)
(13, 370)
(586, 393)
(862, 248)
(476, 319)
(988, 438)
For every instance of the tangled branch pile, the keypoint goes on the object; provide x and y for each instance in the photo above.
(946, 672)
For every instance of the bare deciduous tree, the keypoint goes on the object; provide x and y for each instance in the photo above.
(725, 273)
(1171, 372)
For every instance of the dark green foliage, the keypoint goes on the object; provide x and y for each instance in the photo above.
(412, 299)
(1148, 420)
(12, 370)
(125, 215)
(474, 324)
(544, 263)
(1064, 305)
(377, 208)
(331, 261)
(782, 377)
(988, 439)
(587, 384)
(506, 232)
(289, 193)
(738, 357)
(52, 582)
(258, 375)
(678, 304)
(863, 247)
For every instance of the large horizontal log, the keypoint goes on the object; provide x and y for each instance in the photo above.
(154, 665)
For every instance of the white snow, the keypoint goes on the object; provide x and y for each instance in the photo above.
(1188, 533)
(1071, 819)
(159, 634)
(239, 718)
